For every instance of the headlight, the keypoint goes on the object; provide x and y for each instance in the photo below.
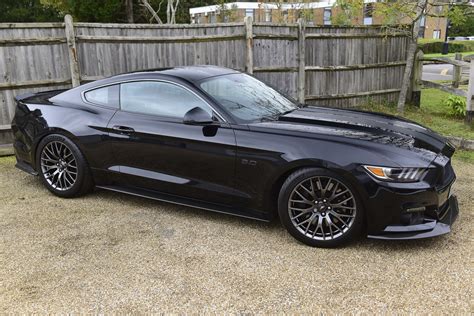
(397, 174)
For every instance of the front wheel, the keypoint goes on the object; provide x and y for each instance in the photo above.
(62, 167)
(320, 208)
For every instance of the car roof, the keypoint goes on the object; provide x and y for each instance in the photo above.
(189, 73)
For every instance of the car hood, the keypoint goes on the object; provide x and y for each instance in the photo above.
(367, 126)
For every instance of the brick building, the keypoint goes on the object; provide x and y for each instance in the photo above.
(315, 13)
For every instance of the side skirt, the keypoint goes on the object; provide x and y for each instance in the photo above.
(186, 202)
(23, 166)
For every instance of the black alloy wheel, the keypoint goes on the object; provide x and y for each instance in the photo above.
(320, 208)
(62, 167)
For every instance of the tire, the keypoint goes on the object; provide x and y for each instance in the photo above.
(320, 208)
(62, 167)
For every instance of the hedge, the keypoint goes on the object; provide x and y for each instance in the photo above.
(434, 47)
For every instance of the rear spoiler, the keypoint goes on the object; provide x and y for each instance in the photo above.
(49, 94)
(24, 96)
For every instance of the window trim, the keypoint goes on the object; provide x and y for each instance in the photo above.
(327, 18)
(218, 114)
(268, 15)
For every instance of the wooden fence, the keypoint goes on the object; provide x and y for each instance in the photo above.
(334, 66)
(459, 67)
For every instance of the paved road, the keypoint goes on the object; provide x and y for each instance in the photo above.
(437, 72)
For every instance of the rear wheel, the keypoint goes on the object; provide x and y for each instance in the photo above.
(62, 167)
(320, 208)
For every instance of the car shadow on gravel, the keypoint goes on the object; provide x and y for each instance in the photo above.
(413, 244)
(273, 227)
(181, 210)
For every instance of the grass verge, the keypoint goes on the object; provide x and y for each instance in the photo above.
(432, 113)
(464, 155)
(450, 55)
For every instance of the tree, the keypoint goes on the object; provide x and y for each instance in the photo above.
(182, 14)
(129, 10)
(462, 20)
(415, 29)
(154, 14)
(346, 10)
(304, 11)
(171, 11)
(27, 11)
(396, 16)
(171, 7)
(105, 11)
(227, 13)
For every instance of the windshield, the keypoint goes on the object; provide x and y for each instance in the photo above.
(247, 98)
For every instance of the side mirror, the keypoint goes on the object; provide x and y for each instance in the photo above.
(198, 116)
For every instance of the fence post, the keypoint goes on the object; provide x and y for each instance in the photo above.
(301, 62)
(72, 52)
(416, 79)
(249, 43)
(457, 71)
(470, 94)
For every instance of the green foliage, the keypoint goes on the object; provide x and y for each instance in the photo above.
(226, 13)
(27, 11)
(456, 16)
(346, 11)
(436, 46)
(306, 13)
(182, 14)
(428, 40)
(106, 11)
(466, 29)
(433, 113)
(464, 155)
(462, 21)
(392, 12)
(449, 55)
(456, 105)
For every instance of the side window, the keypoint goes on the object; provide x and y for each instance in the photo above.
(106, 96)
(159, 98)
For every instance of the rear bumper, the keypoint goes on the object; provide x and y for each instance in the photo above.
(429, 227)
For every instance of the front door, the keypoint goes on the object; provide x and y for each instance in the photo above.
(155, 150)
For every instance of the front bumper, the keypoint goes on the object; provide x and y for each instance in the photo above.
(429, 226)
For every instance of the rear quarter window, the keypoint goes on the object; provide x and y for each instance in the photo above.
(105, 96)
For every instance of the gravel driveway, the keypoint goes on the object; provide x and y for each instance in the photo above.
(109, 252)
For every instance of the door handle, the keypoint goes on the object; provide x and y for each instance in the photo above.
(123, 129)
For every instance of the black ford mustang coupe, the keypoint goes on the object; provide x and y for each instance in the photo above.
(221, 140)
